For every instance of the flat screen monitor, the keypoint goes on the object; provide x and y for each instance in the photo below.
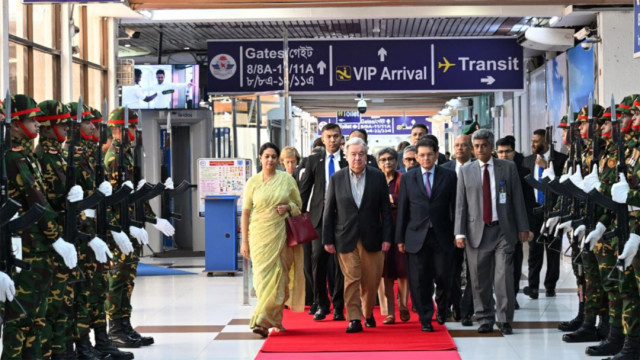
(163, 87)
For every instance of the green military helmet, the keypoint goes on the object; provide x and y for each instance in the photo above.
(96, 116)
(471, 128)
(86, 111)
(23, 107)
(564, 123)
(626, 105)
(116, 118)
(53, 112)
(583, 114)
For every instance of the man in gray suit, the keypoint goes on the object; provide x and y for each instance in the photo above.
(490, 215)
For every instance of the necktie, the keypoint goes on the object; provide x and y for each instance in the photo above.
(427, 184)
(540, 193)
(332, 166)
(487, 212)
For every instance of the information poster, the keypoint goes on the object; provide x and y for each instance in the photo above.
(222, 177)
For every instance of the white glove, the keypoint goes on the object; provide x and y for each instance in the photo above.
(75, 194)
(595, 235)
(548, 172)
(565, 226)
(16, 246)
(164, 227)
(101, 249)
(90, 213)
(123, 242)
(551, 223)
(168, 184)
(592, 181)
(106, 188)
(620, 190)
(141, 184)
(128, 184)
(7, 288)
(67, 251)
(579, 231)
(565, 177)
(576, 178)
(140, 234)
(630, 250)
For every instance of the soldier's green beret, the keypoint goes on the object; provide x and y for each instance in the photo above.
(471, 128)
(564, 122)
(96, 116)
(116, 118)
(53, 112)
(23, 107)
(626, 105)
(583, 114)
(86, 111)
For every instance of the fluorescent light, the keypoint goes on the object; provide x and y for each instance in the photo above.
(127, 45)
(554, 20)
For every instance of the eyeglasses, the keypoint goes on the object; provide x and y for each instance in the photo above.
(410, 159)
(388, 159)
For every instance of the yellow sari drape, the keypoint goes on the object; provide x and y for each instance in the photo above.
(278, 277)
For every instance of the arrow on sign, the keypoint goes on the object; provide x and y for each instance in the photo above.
(488, 80)
(382, 53)
(321, 67)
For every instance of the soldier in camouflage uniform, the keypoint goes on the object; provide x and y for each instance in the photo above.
(595, 299)
(40, 244)
(91, 294)
(627, 191)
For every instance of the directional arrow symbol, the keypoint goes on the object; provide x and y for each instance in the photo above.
(488, 80)
(321, 67)
(382, 53)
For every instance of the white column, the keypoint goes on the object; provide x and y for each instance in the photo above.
(4, 49)
(66, 56)
(112, 54)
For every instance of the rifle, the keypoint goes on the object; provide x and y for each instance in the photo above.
(73, 209)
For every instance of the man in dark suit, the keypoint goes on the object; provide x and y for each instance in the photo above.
(462, 303)
(505, 148)
(357, 226)
(313, 186)
(424, 230)
(537, 162)
(490, 218)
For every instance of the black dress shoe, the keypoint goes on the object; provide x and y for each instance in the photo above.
(455, 313)
(338, 316)
(370, 322)
(506, 329)
(517, 306)
(441, 318)
(354, 326)
(313, 309)
(427, 327)
(550, 293)
(467, 321)
(485, 328)
(532, 293)
(320, 314)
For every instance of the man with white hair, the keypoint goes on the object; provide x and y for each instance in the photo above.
(357, 226)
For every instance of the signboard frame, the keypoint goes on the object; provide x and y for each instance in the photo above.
(636, 29)
(236, 187)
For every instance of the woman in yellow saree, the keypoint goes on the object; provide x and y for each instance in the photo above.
(278, 278)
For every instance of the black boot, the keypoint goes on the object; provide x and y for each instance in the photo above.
(104, 345)
(574, 324)
(586, 333)
(126, 324)
(609, 346)
(630, 350)
(603, 326)
(84, 350)
(120, 337)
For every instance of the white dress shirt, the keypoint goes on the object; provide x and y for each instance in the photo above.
(458, 166)
(357, 185)
(536, 169)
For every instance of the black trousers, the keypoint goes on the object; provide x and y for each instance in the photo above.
(466, 303)
(536, 258)
(518, 256)
(320, 269)
(430, 264)
(308, 274)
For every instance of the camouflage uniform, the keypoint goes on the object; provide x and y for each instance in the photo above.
(22, 337)
(52, 161)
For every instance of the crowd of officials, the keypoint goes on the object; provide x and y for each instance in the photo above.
(432, 222)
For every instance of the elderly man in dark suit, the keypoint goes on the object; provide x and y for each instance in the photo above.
(537, 163)
(357, 225)
(490, 218)
(424, 230)
(315, 181)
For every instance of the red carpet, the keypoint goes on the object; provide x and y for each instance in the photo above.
(304, 335)
(404, 355)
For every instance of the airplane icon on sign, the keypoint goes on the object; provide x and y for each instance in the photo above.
(446, 64)
(343, 73)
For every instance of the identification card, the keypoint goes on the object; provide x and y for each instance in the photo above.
(502, 198)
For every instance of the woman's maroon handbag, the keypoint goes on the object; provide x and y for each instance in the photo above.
(300, 230)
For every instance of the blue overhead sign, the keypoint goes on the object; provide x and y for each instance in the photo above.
(636, 28)
(376, 125)
(354, 65)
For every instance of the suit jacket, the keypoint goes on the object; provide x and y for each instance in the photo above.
(512, 216)
(416, 211)
(313, 184)
(529, 162)
(344, 222)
